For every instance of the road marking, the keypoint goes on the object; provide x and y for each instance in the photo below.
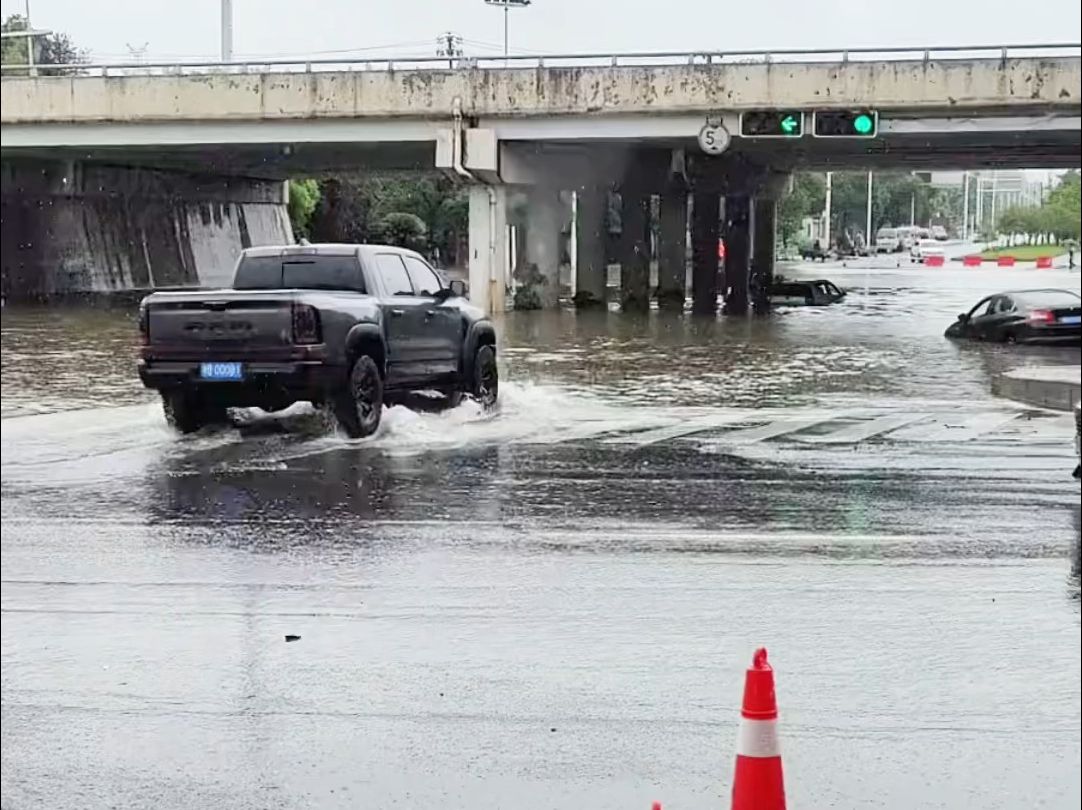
(957, 427)
(770, 430)
(684, 428)
(860, 431)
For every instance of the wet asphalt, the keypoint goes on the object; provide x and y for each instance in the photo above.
(553, 605)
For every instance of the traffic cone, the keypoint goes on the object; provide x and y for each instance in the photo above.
(758, 783)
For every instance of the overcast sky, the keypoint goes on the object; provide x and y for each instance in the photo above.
(189, 28)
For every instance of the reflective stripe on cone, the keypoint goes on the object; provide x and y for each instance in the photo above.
(758, 783)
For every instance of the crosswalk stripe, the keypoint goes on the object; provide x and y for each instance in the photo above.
(957, 427)
(684, 428)
(867, 429)
(770, 430)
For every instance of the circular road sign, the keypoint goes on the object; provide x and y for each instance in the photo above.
(714, 138)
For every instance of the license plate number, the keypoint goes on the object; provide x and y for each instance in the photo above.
(221, 371)
(1071, 319)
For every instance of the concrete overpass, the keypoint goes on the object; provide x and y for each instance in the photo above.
(582, 123)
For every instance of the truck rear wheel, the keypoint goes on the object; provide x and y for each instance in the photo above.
(186, 411)
(359, 407)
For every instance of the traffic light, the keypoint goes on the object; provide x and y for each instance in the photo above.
(772, 124)
(845, 124)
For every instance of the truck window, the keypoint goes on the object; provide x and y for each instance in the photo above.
(312, 272)
(393, 272)
(424, 278)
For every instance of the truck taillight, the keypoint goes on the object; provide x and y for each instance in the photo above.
(305, 324)
(144, 326)
(1042, 316)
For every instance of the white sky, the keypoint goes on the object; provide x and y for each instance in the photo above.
(189, 28)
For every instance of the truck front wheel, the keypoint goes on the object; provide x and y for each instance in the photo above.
(359, 407)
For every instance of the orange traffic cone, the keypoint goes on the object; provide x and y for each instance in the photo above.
(758, 783)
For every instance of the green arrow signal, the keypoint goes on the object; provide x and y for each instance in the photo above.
(789, 125)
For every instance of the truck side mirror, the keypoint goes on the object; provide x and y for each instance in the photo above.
(458, 288)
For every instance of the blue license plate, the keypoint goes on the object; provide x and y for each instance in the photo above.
(221, 371)
(1071, 319)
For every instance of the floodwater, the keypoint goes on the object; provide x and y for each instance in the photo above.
(553, 605)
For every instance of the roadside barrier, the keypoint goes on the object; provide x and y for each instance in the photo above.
(972, 261)
(1005, 261)
(1044, 262)
(933, 261)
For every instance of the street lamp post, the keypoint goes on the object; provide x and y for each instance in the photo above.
(507, 5)
(227, 30)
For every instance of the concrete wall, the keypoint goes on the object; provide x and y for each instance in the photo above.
(1038, 83)
(69, 227)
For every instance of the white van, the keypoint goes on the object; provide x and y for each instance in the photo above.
(908, 235)
(887, 241)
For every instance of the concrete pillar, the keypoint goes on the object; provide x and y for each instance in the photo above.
(635, 252)
(539, 276)
(591, 231)
(488, 248)
(737, 253)
(672, 250)
(764, 236)
(705, 210)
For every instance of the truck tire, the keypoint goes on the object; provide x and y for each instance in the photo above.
(484, 382)
(359, 406)
(187, 412)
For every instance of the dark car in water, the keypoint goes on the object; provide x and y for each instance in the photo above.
(1023, 316)
(343, 326)
(816, 293)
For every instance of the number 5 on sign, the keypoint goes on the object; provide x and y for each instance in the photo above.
(714, 138)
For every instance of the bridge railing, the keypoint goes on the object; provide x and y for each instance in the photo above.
(534, 61)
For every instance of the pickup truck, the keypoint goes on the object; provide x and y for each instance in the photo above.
(346, 327)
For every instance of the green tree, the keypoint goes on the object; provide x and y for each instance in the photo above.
(54, 49)
(807, 198)
(303, 198)
(404, 230)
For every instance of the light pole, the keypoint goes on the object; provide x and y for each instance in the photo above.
(965, 206)
(826, 211)
(507, 5)
(227, 30)
(868, 225)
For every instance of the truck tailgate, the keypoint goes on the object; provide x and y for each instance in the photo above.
(207, 322)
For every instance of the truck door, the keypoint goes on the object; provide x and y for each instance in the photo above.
(441, 319)
(403, 321)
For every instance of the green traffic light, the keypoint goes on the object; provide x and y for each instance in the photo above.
(863, 124)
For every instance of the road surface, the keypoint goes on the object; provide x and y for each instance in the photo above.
(552, 606)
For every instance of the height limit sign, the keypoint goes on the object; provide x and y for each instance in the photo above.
(714, 138)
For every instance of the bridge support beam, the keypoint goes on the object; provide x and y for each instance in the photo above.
(705, 212)
(539, 277)
(591, 231)
(672, 250)
(488, 248)
(764, 236)
(635, 251)
(737, 253)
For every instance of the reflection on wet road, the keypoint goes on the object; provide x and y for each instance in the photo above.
(552, 605)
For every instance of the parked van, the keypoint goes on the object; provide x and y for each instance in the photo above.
(887, 241)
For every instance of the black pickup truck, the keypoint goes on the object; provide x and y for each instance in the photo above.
(347, 327)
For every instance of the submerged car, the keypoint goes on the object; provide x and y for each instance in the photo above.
(1023, 316)
(924, 249)
(817, 293)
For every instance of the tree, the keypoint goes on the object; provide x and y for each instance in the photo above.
(303, 198)
(403, 230)
(807, 198)
(54, 49)
(365, 208)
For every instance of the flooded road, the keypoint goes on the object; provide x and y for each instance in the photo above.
(553, 605)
